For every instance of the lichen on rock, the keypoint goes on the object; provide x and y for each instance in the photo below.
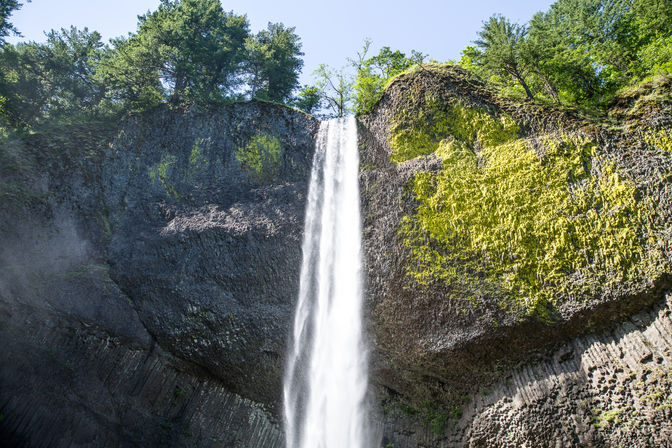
(261, 157)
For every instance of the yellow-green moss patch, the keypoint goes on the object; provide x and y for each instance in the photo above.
(419, 130)
(661, 138)
(261, 158)
(538, 227)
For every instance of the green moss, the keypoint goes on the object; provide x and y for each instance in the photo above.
(420, 129)
(660, 139)
(161, 173)
(197, 160)
(261, 158)
(604, 418)
(537, 228)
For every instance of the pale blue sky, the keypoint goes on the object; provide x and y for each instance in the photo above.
(330, 31)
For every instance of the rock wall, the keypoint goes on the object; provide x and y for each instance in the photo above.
(147, 275)
(148, 271)
(473, 337)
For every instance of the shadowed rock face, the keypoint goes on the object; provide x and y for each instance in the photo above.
(148, 277)
(209, 252)
(448, 355)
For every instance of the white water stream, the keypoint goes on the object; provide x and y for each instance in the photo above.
(326, 377)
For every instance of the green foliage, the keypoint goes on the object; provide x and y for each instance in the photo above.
(654, 58)
(273, 62)
(579, 51)
(54, 79)
(469, 59)
(7, 7)
(309, 99)
(261, 158)
(540, 228)
(191, 51)
(336, 88)
(500, 41)
(186, 50)
(373, 74)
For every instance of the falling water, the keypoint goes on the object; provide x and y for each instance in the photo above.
(326, 378)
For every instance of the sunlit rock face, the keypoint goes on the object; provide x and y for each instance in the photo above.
(508, 243)
(149, 272)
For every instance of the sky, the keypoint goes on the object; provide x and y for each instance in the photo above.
(330, 31)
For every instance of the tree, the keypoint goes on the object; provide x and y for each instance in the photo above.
(54, 79)
(653, 17)
(7, 7)
(309, 99)
(500, 43)
(374, 72)
(186, 51)
(336, 87)
(651, 22)
(274, 63)
(565, 69)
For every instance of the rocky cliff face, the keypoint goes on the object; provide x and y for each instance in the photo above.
(518, 272)
(147, 277)
(523, 253)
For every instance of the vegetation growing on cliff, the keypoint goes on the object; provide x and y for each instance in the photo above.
(419, 130)
(541, 227)
(261, 157)
(577, 52)
(543, 220)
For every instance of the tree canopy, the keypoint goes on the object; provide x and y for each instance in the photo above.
(578, 51)
(273, 62)
(7, 7)
(184, 52)
(374, 72)
(501, 42)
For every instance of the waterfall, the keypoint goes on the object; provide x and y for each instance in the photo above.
(326, 373)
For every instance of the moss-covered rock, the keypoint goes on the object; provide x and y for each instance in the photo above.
(261, 157)
(495, 231)
(532, 225)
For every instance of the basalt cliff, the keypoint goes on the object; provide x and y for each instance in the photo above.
(518, 263)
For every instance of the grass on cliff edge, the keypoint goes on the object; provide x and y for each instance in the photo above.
(544, 224)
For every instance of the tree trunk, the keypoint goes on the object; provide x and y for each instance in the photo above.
(518, 77)
(548, 86)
